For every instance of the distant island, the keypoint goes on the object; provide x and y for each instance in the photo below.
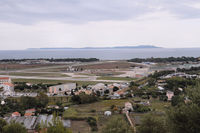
(116, 47)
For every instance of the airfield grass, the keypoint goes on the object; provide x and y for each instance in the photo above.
(46, 81)
(35, 74)
(116, 78)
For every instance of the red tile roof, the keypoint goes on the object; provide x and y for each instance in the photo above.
(16, 113)
(4, 78)
(28, 114)
(8, 84)
(31, 110)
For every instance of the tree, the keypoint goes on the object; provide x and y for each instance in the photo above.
(115, 88)
(106, 91)
(42, 100)
(117, 124)
(152, 124)
(28, 102)
(14, 128)
(184, 118)
(57, 126)
(83, 98)
(2, 124)
(176, 100)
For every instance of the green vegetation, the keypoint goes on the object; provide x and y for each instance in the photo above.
(53, 60)
(45, 81)
(164, 60)
(83, 98)
(152, 123)
(23, 103)
(2, 124)
(117, 124)
(177, 82)
(14, 128)
(192, 70)
(71, 113)
(182, 117)
(116, 78)
(57, 126)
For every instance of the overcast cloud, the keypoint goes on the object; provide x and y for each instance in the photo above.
(83, 23)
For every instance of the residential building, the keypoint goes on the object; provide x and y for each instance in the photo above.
(29, 112)
(7, 86)
(16, 114)
(5, 80)
(169, 95)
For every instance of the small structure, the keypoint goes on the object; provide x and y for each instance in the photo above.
(161, 88)
(107, 113)
(3, 102)
(66, 108)
(169, 95)
(16, 114)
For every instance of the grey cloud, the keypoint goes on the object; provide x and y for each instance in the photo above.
(80, 11)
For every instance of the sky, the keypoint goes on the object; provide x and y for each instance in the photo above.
(99, 23)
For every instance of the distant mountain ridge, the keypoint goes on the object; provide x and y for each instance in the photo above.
(115, 47)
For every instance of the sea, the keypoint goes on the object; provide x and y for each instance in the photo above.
(103, 54)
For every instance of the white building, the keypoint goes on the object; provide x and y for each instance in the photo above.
(61, 89)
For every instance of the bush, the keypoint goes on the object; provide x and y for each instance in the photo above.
(83, 98)
(141, 108)
(93, 123)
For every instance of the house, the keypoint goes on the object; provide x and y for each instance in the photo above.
(99, 87)
(161, 83)
(29, 112)
(16, 114)
(169, 95)
(7, 86)
(5, 80)
(62, 89)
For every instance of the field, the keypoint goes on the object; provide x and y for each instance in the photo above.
(22, 66)
(35, 74)
(109, 65)
(45, 81)
(97, 109)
